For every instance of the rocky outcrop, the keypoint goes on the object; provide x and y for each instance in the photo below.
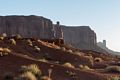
(27, 26)
(103, 46)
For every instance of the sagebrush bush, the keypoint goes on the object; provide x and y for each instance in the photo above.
(85, 67)
(4, 51)
(1, 38)
(33, 68)
(12, 41)
(7, 50)
(68, 65)
(18, 36)
(29, 42)
(113, 69)
(63, 48)
(27, 76)
(114, 78)
(70, 51)
(37, 48)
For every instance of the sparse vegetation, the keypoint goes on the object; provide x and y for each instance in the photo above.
(18, 36)
(114, 78)
(27, 76)
(37, 48)
(4, 51)
(29, 42)
(85, 67)
(33, 68)
(12, 41)
(67, 64)
(63, 49)
(70, 51)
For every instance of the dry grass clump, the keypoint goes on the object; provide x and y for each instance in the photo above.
(78, 53)
(113, 69)
(37, 48)
(114, 78)
(4, 51)
(29, 42)
(12, 41)
(3, 36)
(18, 36)
(27, 76)
(67, 64)
(70, 51)
(98, 59)
(63, 48)
(84, 67)
(43, 60)
(33, 68)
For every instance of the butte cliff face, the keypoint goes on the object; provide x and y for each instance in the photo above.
(79, 36)
(27, 26)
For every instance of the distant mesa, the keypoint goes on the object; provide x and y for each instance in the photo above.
(103, 46)
(81, 37)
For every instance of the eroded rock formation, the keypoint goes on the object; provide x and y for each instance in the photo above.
(27, 26)
(81, 37)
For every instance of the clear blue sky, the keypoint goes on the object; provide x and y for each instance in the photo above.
(102, 15)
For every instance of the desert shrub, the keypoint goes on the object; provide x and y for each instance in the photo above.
(43, 60)
(81, 66)
(33, 68)
(29, 42)
(70, 51)
(27, 76)
(85, 67)
(37, 48)
(1, 37)
(8, 76)
(68, 65)
(18, 36)
(7, 50)
(63, 49)
(4, 51)
(114, 78)
(89, 60)
(98, 60)
(78, 53)
(12, 41)
(113, 69)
